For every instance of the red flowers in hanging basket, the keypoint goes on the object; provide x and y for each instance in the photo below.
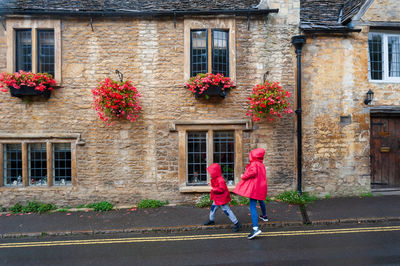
(209, 84)
(41, 82)
(116, 99)
(268, 100)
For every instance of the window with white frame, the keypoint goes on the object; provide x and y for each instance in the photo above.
(26, 164)
(384, 56)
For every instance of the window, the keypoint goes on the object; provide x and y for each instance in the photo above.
(12, 165)
(62, 164)
(210, 46)
(204, 142)
(384, 56)
(222, 152)
(34, 45)
(205, 57)
(37, 164)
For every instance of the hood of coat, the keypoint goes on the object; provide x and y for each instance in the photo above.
(257, 155)
(214, 170)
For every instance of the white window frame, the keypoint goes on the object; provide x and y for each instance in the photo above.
(385, 57)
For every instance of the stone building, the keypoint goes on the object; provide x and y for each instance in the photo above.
(351, 144)
(57, 150)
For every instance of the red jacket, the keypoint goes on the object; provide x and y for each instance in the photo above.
(254, 181)
(219, 193)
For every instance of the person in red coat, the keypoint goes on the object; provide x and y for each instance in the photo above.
(220, 196)
(254, 186)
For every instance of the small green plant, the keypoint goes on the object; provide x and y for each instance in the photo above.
(17, 208)
(366, 195)
(204, 201)
(33, 206)
(101, 206)
(80, 206)
(150, 203)
(327, 196)
(3, 209)
(293, 197)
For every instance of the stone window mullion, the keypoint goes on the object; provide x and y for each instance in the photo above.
(49, 155)
(210, 151)
(25, 180)
(34, 50)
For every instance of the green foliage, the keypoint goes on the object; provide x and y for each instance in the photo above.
(101, 206)
(366, 195)
(80, 206)
(327, 196)
(3, 209)
(17, 208)
(33, 206)
(293, 197)
(204, 201)
(150, 203)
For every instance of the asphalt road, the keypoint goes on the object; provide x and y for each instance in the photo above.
(375, 244)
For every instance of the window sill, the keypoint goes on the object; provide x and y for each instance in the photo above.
(384, 81)
(199, 189)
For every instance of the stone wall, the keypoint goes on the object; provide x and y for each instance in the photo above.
(336, 120)
(131, 161)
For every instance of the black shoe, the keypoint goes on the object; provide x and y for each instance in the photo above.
(254, 233)
(237, 226)
(209, 223)
(264, 218)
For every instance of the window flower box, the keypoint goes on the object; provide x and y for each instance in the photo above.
(29, 91)
(209, 85)
(27, 84)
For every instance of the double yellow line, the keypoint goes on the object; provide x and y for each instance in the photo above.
(197, 237)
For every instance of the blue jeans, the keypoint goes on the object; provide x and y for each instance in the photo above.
(253, 210)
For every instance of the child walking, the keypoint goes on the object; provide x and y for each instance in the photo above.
(220, 196)
(254, 186)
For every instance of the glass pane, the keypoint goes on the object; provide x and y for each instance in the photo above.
(197, 157)
(220, 52)
(12, 165)
(62, 164)
(46, 51)
(394, 56)
(23, 50)
(224, 153)
(37, 164)
(198, 53)
(375, 56)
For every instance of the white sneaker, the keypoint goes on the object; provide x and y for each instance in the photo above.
(254, 233)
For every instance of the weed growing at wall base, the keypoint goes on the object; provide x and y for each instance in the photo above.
(150, 203)
(293, 197)
(101, 206)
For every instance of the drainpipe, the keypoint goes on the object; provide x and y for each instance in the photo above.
(298, 42)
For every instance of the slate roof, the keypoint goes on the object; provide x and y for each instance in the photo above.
(328, 15)
(71, 6)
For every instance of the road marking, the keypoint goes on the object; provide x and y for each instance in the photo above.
(197, 237)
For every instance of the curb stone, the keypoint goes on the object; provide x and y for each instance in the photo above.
(273, 224)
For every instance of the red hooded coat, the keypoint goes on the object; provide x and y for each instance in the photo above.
(254, 181)
(219, 193)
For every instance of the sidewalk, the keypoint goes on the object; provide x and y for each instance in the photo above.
(184, 218)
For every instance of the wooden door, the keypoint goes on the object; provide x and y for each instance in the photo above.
(385, 152)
